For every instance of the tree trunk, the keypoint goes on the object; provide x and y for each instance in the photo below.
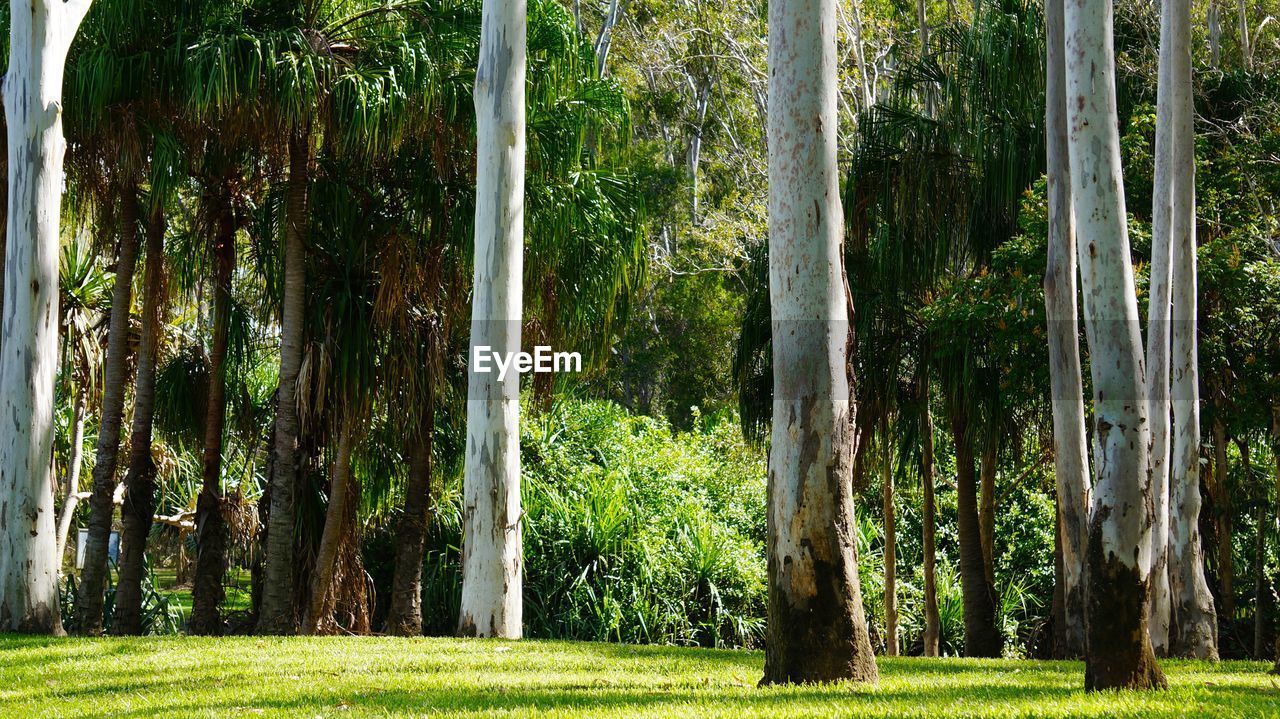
(1214, 22)
(1195, 622)
(1158, 323)
(890, 557)
(405, 617)
(1260, 581)
(1246, 48)
(74, 464)
(987, 509)
(339, 527)
(1119, 651)
(1222, 513)
(207, 591)
(932, 623)
(140, 480)
(276, 615)
(95, 575)
(981, 635)
(817, 630)
(491, 545)
(39, 38)
(1070, 448)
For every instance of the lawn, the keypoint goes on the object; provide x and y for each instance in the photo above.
(384, 677)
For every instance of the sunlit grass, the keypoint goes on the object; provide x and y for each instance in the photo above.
(380, 677)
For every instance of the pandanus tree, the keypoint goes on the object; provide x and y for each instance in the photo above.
(40, 36)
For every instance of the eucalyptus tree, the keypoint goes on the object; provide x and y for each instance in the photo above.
(40, 36)
(817, 628)
(492, 546)
(1071, 454)
(1118, 653)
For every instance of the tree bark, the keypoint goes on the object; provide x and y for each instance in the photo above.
(1118, 653)
(987, 509)
(1194, 620)
(817, 630)
(74, 463)
(96, 574)
(207, 591)
(276, 615)
(890, 557)
(1223, 515)
(1158, 323)
(932, 623)
(405, 617)
(981, 635)
(140, 481)
(339, 527)
(1070, 448)
(491, 545)
(39, 38)
(1246, 48)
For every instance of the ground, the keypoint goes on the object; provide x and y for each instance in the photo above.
(245, 677)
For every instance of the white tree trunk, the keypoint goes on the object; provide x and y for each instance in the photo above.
(1119, 553)
(1071, 453)
(1246, 49)
(74, 463)
(817, 626)
(1194, 618)
(1158, 328)
(40, 35)
(491, 549)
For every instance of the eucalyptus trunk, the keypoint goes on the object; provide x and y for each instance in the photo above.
(276, 614)
(817, 627)
(405, 617)
(1070, 446)
(1194, 626)
(207, 591)
(982, 636)
(492, 544)
(40, 34)
(932, 622)
(140, 481)
(339, 527)
(75, 462)
(1118, 653)
(890, 558)
(115, 379)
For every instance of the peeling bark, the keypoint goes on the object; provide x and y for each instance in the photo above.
(491, 545)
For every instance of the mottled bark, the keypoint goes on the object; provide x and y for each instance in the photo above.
(817, 626)
(140, 480)
(276, 614)
(115, 379)
(982, 636)
(207, 591)
(491, 545)
(405, 617)
(1118, 654)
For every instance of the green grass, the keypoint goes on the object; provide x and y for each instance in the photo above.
(246, 677)
(238, 595)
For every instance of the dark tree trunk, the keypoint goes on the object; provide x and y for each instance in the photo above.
(1222, 511)
(93, 580)
(140, 481)
(279, 581)
(987, 510)
(890, 559)
(1119, 652)
(211, 529)
(405, 617)
(932, 623)
(981, 635)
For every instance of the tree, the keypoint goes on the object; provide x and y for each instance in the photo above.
(1071, 457)
(491, 563)
(40, 36)
(1118, 654)
(817, 629)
